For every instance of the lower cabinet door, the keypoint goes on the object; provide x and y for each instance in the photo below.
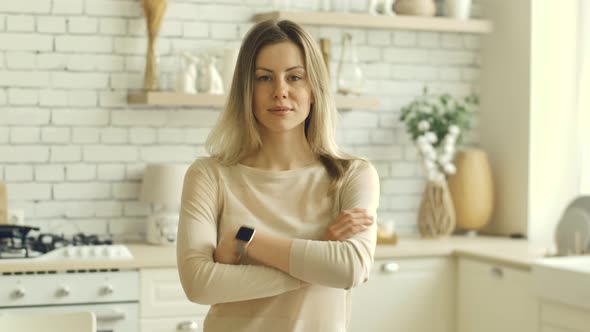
(493, 298)
(173, 324)
(406, 295)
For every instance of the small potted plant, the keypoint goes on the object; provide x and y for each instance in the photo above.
(436, 124)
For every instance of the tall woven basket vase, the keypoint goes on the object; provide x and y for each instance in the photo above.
(436, 217)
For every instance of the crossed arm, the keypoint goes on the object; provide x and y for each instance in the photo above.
(276, 251)
(336, 262)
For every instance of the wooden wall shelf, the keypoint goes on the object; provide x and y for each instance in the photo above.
(162, 98)
(380, 21)
(208, 100)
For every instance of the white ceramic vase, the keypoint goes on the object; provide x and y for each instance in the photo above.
(459, 9)
(187, 74)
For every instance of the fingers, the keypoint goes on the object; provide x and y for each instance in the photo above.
(347, 218)
(349, 223)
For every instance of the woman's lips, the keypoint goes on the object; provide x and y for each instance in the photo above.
(280, 110)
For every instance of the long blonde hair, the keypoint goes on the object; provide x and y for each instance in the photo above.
(236, 135)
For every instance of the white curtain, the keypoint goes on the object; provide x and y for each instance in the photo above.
(584, 95)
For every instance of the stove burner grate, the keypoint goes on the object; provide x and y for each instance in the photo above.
(17, 245)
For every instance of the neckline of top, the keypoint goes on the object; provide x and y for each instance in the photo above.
(275, 173)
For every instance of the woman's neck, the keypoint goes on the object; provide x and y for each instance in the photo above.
(281, 151)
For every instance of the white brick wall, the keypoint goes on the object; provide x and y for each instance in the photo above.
(49, 173)
(23, 135)
(20, 23)
(80, 172)
(20, 60)
(73, 152)
(23, 97)
(66, 153)
(86, 190)
(28, 191)
(111, 172)
(23, 78)
(51, 24)
(79, 117)
(82, 25)
(112, 26)
(67, 6)
(26, 41)
(18, 173)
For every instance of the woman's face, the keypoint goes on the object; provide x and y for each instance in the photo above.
(282, 93)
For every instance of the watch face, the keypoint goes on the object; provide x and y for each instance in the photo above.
(244, 233)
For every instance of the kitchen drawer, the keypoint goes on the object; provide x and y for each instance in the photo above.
(557, 315)
(162, 295)
(173, 324)
(63, 288)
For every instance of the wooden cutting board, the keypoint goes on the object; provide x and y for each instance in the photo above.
(3, 204)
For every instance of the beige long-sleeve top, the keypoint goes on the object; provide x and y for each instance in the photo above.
(315, 294)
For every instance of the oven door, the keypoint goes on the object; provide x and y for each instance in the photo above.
(110, 317)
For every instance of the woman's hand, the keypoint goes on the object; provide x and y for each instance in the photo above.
(347, 224)
(225, 252)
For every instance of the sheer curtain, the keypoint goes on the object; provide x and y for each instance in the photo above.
(584, 95)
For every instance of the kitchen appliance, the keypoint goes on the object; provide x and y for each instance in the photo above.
(572, 235)
(111, 294)
(162, 187)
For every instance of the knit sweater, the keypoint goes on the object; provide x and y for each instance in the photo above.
(315, 293)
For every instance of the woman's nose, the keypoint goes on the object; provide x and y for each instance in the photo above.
(280, 90)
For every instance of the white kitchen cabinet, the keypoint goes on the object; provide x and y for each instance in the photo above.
(408, 295)
(163, 304)
(493, 297)
(559, 317)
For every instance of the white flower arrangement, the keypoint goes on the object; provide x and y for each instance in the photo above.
(436, 125)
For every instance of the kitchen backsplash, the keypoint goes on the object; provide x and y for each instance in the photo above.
(72, 151)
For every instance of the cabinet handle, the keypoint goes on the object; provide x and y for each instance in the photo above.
(390, 267)
(19, 293)
(110, 315)
(187, 326)
(497, 272)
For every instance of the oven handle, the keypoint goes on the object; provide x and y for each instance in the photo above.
(109, 315)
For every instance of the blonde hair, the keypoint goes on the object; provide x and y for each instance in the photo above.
(236, 136)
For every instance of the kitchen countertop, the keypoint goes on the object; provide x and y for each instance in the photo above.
(515, 253)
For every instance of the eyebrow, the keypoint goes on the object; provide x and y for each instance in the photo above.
(288, 69)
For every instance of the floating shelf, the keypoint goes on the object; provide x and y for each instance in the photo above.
(406, 22)
(162, 98)
(208, 100)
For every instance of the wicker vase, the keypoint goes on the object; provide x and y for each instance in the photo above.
(436, 217)
(472, 189)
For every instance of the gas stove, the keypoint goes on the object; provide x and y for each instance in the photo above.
(16, 242)
(112, 294)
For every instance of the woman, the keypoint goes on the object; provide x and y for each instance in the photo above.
(277, 225)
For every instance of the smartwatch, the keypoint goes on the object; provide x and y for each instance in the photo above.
(243, 238)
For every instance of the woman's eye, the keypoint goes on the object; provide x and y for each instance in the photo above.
(295, 78)
(263, 78)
